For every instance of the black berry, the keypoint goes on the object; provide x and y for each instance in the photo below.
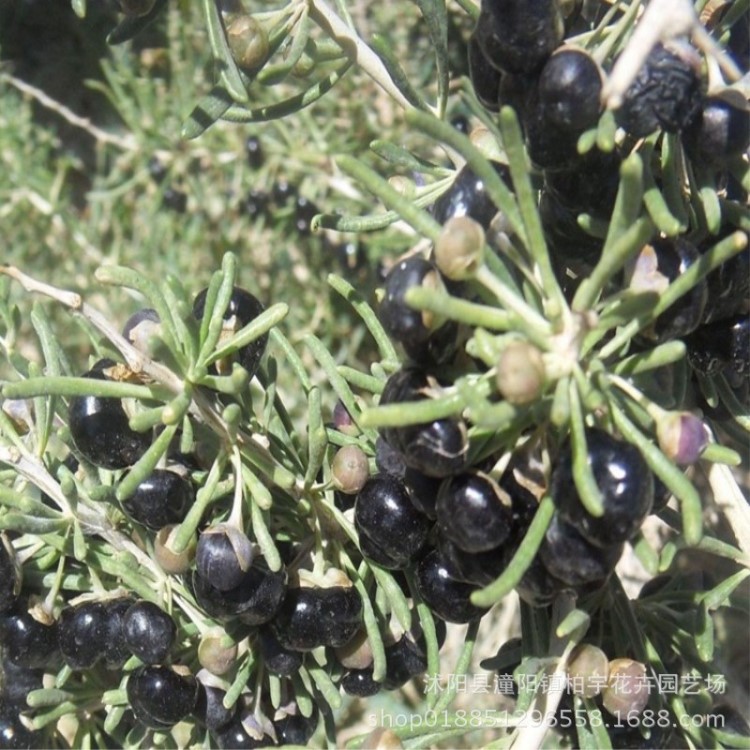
(447, 597)
(149, 632)
(160, 697)
(82, 634)
(473, 512)
(243, 308)
(386, 515)
(666, 94)
(161, 499)
(100, 430)
(223, 556)
(625, 483)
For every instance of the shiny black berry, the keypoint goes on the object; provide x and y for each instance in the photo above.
(159, 697)
(467, 196)
(719, 133)
(223, 556)
(404, 323)
(149, 632)
(437, 349)
(254, 152)
(256, 203)
(728, 285)
(566, 240)
(473, 512)
(722, 345)
(26, 641)
(312, 617)
(447, 597)
(666, 93)
(243, 308)
(570, 86)
(518, 36)
(162, 498)
(359, 682)
(573, 559)
(549, 146)
(236, 736)
(386, 515)
(423, 491)
(479, 569)
(210, 710)
(100, 430)
(437, 449)
(17, 682)
(294, 728)
(276, 658)
(82, 634)
(405, 659)
(116, 651)
(388, 459)
(485, 78)
(625, 483)
(304, 212)
(256, 598)
(588, 186)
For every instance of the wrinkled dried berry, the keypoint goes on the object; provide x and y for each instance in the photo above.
(666, 94)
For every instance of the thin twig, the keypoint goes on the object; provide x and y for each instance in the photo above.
(126, 143)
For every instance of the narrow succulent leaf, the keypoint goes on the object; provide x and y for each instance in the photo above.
(401, 157)
(67, 386)
(328, 690)
(436, 16)
(461, 667)
(131, 26)
(382, 47)
(523, 557)
(526, 197)
(588, 490)
(367, 314)
(209, 109)
(290, 106)
(680, 486)
(146, 463)
(420, 220)
(497, 190)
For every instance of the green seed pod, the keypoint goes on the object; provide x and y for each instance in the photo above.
(350, 469)
(588, 670)
(459, 250)
(521, 374)
(172, 562)
(248, 42)
(214, 654)
(627, 688)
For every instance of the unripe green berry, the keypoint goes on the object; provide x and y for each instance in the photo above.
(350, 469)
(214, 654)
(588, 670)
(459, 249)
(520, 374)
(682, 437)
(627, 688)
(248, 42)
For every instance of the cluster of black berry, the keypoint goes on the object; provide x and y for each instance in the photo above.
(519, 58)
